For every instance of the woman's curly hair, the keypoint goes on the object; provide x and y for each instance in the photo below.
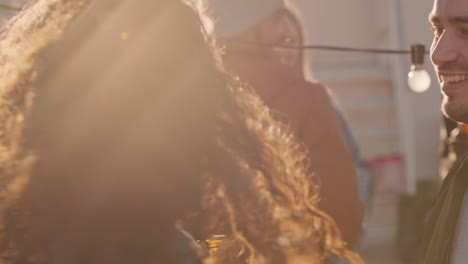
(270, 197)
(109, 189)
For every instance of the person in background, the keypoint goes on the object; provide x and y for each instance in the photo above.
(117, 122)
(363, 172)
(446, 232)
(246, 30)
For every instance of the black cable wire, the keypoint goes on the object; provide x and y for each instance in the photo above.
(325, 47)
(309, 47)
(11, 8)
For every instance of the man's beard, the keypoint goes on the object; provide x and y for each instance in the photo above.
(457, 112)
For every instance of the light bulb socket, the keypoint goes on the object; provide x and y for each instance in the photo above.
(418, 51)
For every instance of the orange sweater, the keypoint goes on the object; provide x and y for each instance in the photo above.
(307, 108)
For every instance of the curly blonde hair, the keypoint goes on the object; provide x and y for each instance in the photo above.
(271, 199)
(257, 189)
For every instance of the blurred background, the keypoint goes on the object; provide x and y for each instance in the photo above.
(397, 129)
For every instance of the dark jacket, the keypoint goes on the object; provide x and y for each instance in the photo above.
(442, 222)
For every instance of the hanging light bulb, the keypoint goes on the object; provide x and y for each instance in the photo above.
(418, 78)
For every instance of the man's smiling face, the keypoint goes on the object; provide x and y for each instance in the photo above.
(449, 54)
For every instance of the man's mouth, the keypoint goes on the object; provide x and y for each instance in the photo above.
(453, 78)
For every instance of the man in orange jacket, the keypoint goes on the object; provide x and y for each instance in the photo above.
(277, 76)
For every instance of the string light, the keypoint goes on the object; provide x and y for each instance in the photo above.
(322, 47)
(418, 78)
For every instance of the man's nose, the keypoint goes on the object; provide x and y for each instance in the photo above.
(444, 50)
